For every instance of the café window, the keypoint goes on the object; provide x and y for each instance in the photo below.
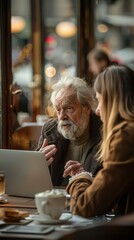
(114, 29)
(44, 48)
(60, 43)
(0, 99)
(21, 61)
(0, 88)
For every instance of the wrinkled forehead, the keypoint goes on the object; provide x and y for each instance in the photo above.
(66, 95)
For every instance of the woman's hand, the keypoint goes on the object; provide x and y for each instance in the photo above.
(48, 150)
(72, 167)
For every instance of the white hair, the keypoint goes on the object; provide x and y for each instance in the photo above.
(83, 92)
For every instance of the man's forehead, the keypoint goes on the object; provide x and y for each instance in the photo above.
(66, 95)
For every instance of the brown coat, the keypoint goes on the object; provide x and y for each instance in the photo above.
(113, 186)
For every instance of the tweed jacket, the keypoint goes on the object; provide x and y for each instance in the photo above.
(49, 131)
(113, 186)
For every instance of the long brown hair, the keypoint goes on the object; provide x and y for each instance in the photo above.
(116, 86)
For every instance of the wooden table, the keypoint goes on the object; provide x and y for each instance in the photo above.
(20, 203)
(59, 230)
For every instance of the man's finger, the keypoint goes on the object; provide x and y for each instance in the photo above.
(45, 143)
(69, 163)
(50, 161)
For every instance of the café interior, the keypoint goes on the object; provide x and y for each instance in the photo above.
(42, 40)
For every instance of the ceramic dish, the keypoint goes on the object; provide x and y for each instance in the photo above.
(64, 217)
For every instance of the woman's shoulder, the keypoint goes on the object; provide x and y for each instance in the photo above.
(122, 142)
(124, 130)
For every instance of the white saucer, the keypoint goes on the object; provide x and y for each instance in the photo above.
(64, 217)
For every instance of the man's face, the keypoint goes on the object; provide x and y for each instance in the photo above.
(73, 117)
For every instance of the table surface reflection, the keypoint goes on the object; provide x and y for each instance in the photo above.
(59, 230)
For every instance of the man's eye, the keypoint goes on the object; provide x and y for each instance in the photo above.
(69, 109)
(57, 110)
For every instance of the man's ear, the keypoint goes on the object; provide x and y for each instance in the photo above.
(88, 109)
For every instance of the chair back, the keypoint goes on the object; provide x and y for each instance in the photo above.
(26, 137)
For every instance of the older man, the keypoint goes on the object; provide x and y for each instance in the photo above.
(69, 142)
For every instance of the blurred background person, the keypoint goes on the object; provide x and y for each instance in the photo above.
(98, 60)
(21, 109)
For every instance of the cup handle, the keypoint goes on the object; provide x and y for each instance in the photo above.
(44, 207)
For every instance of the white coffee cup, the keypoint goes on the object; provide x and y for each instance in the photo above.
(51, 203)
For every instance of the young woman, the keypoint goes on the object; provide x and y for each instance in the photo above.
(113, 187)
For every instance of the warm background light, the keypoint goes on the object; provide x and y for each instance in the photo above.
(50, 71)
(17, 24)
(102, 28)
(66, 29)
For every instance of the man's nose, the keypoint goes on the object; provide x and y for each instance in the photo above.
(63, 115)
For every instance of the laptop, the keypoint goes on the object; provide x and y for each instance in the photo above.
(26, 172)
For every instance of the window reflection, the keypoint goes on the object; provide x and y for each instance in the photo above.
(0, 89)
(21, 61)
(0, 99)
(54, 27)
(114, 29)
(60, 56)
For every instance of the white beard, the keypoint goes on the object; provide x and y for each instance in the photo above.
(73, 131)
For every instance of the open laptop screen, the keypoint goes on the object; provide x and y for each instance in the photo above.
(26, 172)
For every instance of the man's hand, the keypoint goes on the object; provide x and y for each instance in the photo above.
(72, 167)
(48, 150)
